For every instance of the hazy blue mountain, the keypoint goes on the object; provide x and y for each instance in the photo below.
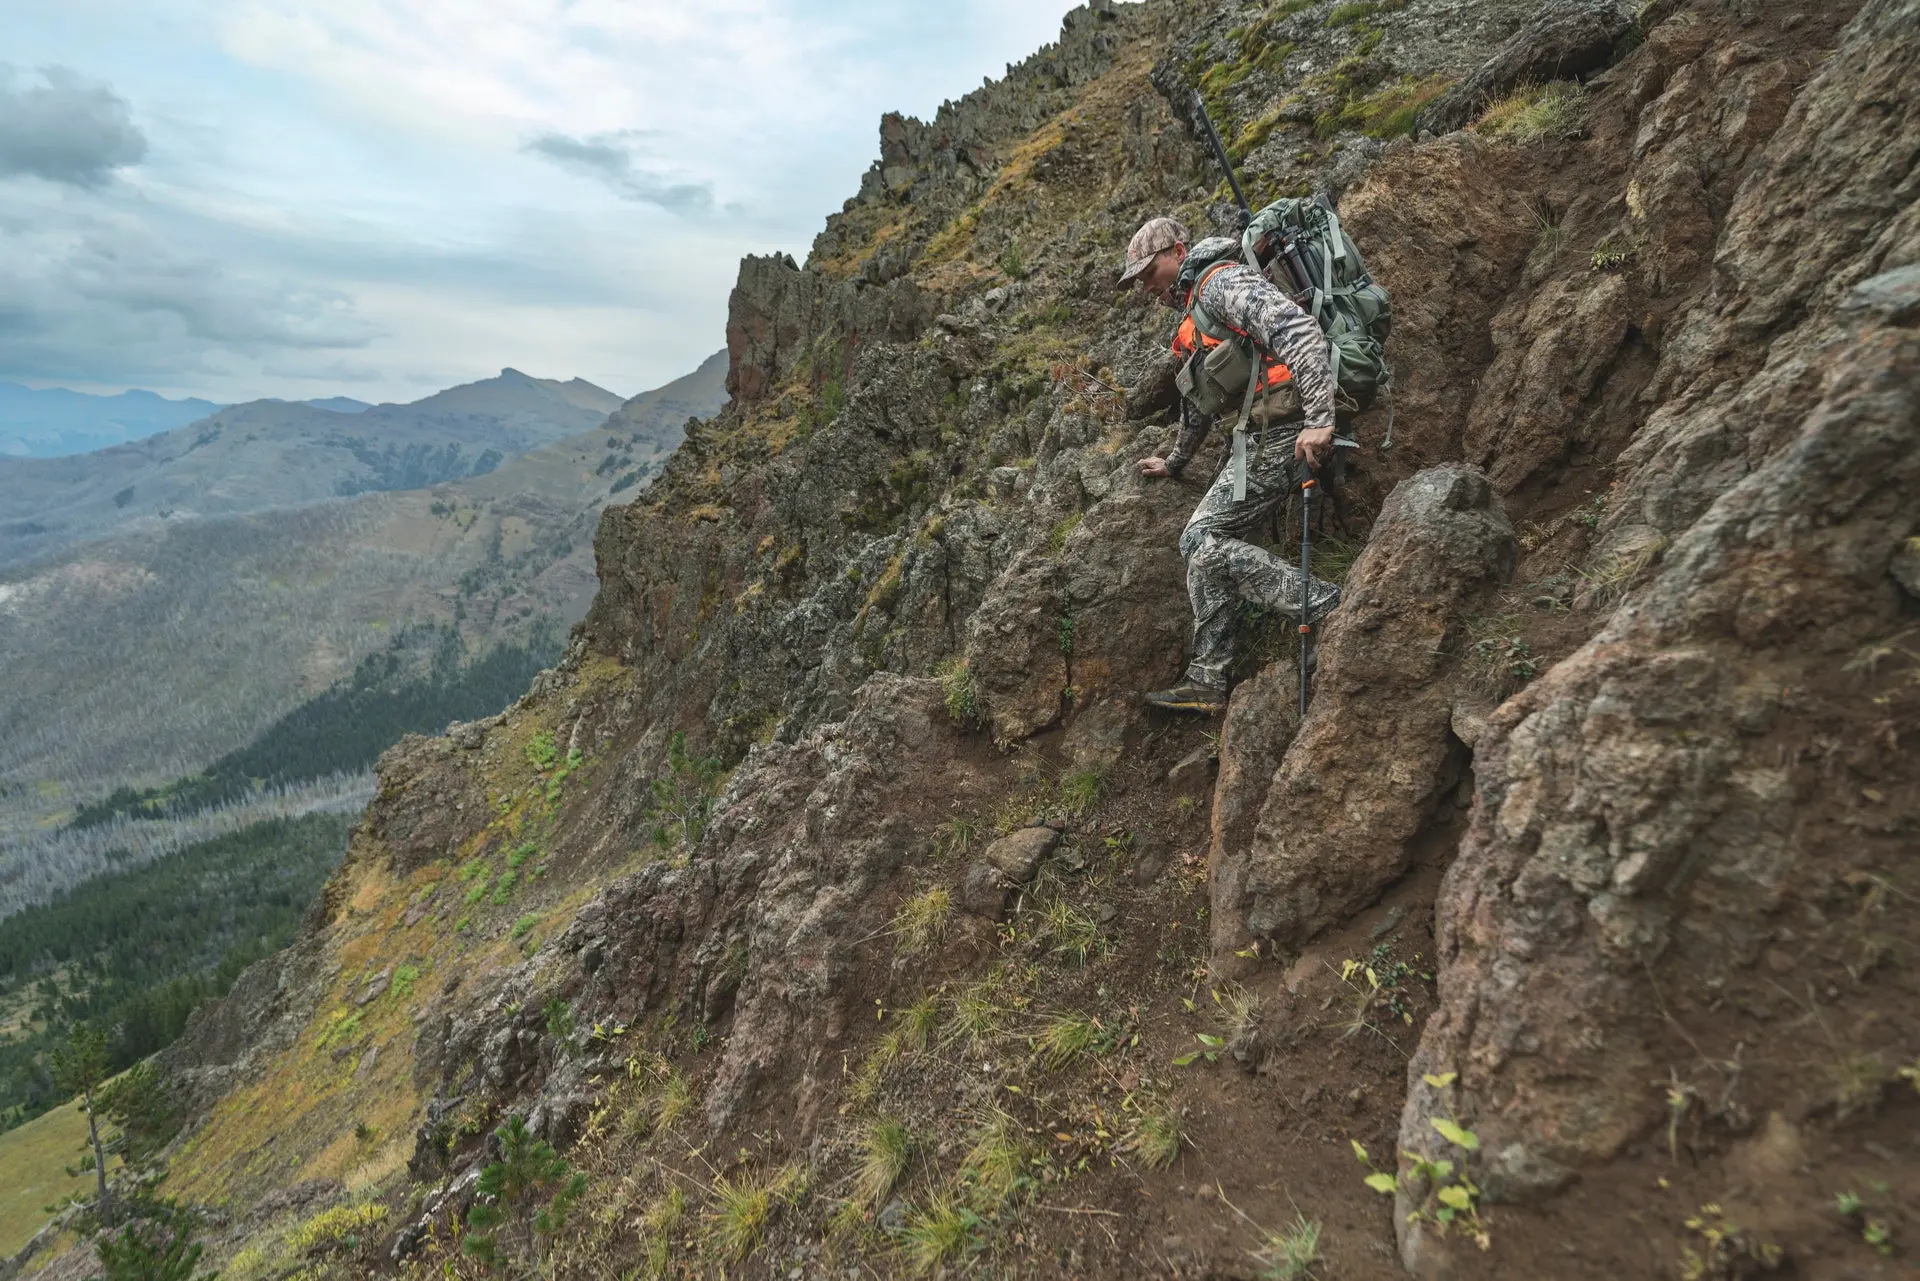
(339, 404)
(273, 454)
(51, 422)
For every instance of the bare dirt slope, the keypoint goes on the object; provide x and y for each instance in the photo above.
(1582, 899)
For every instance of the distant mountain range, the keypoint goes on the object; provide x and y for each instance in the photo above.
(49, 422)
(140, 647)
(270, 454)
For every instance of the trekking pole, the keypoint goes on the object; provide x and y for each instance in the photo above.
(1306, 581)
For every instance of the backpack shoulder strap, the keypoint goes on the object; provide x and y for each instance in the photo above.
(1203, 320)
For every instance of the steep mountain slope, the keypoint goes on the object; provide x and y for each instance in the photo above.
(141, 658)
(1589, 867)
(46, 422)
(270, 454)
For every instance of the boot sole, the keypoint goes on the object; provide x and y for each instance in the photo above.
(1208, 708)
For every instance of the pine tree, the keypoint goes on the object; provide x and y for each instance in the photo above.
(79, 1067)
(528, 1167)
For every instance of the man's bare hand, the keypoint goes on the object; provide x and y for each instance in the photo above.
(1313, 445)
(1155, 467)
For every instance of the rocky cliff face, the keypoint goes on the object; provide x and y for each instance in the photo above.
(1589, 864)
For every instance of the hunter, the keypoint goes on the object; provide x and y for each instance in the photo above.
(1288, 417)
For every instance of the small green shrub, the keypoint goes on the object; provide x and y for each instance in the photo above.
(961, 695)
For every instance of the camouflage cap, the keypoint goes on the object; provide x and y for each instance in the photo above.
(1157, 234)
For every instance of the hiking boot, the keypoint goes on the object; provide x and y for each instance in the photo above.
(1319, 609)
(1189, 697)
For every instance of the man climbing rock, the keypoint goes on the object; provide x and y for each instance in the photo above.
(1282, 396)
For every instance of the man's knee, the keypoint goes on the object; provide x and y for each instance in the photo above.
(1195, 540)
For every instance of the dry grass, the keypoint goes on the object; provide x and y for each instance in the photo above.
(922, 922)
(885, 1150)
(936, 1234)
(1531, 112)
(1156, 1137)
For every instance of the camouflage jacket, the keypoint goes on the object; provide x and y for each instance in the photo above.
(1248, 301)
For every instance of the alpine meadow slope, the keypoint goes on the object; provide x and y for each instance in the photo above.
(834, 907)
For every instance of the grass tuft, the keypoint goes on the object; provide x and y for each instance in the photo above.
(922, 922)
(995, 1166)
(977, 1014)
(1290, 1255)
(1156, 1138)
(1535, 111)
(1069, 932)
(1499, 660)
(916, 1025)
(742, 1208)
(1065, 1039)
(885, 1149)
(1081, 790)
(962, 696)
(939, 1232)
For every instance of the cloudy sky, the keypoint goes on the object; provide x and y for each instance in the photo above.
(379, 198)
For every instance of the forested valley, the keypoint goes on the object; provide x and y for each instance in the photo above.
(131, 953)
(418, 684)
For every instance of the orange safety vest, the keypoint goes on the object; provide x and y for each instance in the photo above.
(1191, 337)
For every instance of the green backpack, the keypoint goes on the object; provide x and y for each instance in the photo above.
(1303, 250)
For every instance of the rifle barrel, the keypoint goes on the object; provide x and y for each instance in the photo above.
(1220, 153)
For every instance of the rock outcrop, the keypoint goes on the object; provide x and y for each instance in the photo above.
(1564, 40)
(1377, 750)
(1713, 777)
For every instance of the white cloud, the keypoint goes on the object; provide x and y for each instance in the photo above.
(356, 196)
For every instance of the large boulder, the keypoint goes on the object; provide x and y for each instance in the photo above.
(1377, 750)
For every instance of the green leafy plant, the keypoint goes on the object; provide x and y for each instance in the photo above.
(1448, 1196)
(1210, 1048)
(541, 752)
(1725, 1249)
(1874, 1231)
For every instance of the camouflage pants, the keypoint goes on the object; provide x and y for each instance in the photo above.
(1224, 568)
